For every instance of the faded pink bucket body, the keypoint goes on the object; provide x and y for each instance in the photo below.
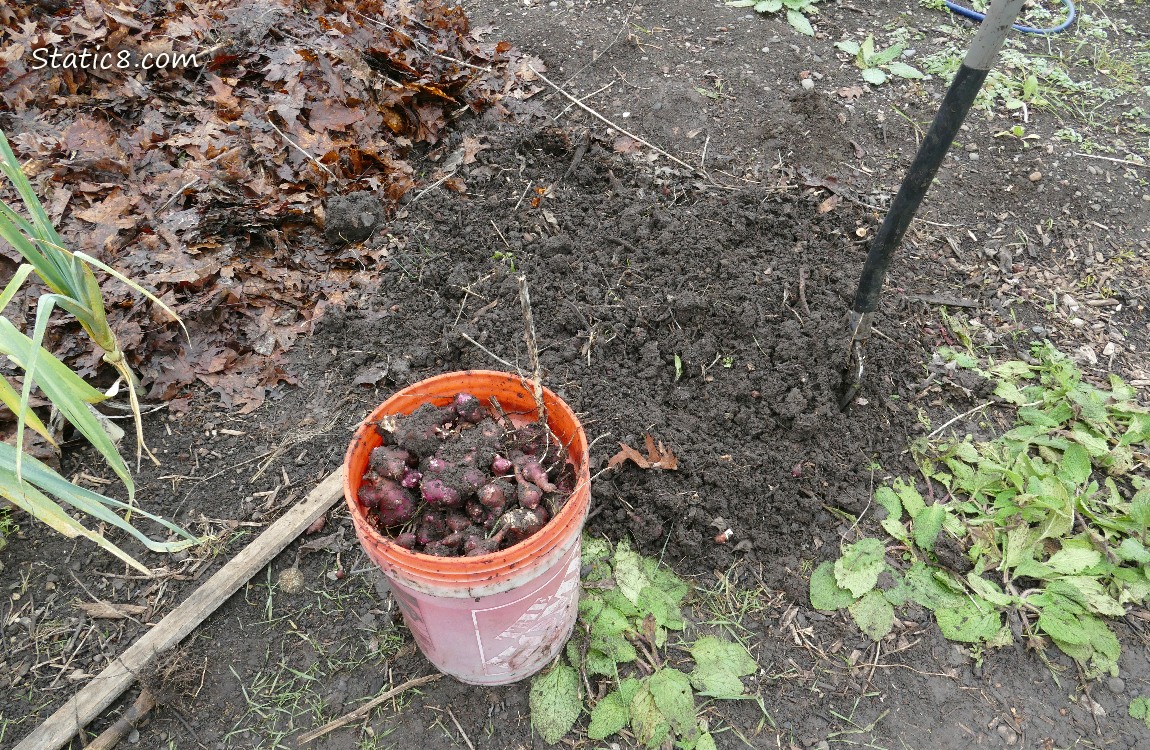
(495, 638)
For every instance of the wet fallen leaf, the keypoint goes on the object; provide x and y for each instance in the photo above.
(660, 457)
(248, 140)
(329, 116)
(625, 145)
(627, 453)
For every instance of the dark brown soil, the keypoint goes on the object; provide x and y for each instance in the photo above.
(705, 310)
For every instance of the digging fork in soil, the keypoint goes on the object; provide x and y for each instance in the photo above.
(959, 97)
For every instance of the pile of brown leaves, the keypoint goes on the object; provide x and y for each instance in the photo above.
(205, 179)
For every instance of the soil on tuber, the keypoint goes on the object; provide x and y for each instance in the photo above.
(452, 481)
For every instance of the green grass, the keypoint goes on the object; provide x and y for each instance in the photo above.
(281, 701)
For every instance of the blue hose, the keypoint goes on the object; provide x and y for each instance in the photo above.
(976, 16)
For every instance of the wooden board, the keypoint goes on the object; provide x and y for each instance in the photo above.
(118, 676)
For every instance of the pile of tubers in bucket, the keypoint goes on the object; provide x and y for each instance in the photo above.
(452, 481)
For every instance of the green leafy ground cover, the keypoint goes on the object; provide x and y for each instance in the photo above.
(1050, 520)
(796, 11)
(630, 610)
(876, 64)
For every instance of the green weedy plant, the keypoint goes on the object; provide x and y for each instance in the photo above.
(628, 609)
(875, 64)
(1051, 522)
(1140, 709)
(797, 11)
(73, 287)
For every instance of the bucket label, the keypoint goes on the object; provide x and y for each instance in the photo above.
(413, 618)
(535, 628)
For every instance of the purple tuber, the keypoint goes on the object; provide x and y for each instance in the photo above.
(457, 521)
(411, 479)
(475, 511)
(517, 524)
(473, 479)
(469, 408)
(429, 531)
(494, 495)
(396, 504)
(440, 495)
(529, 495)
(531, 470)
(501, 466)
(368, 493)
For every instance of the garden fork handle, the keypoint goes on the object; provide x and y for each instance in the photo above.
(955, 105)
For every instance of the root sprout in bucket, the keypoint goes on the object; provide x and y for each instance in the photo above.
(453, 480)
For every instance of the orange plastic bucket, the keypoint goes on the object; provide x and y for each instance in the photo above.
(495, 618)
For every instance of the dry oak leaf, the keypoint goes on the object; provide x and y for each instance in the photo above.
(830, 203)
(471, 147)
(658, 456)
(850, 92)
(103, 610)
(113, 211)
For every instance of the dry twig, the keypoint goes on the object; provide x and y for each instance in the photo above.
(460, 728)
(365, 709)
(297, 147)
(603, 119)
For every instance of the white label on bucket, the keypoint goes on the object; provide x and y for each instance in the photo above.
(532, 628)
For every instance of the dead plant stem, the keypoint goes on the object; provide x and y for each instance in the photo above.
(462, 734)
(532, 349)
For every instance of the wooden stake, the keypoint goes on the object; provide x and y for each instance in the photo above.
(99, 693)
(532, 349)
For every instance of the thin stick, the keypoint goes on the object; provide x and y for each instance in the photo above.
(297, 147)
(597, 57)
(365, 709)
(600, 117)
(496, 228)
(532, 349)
(431, 187)
(1127, 162)
(803, 290)
(176, 194)
(952, 420)
(461, 732)
(597, 91)
(490, 353)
